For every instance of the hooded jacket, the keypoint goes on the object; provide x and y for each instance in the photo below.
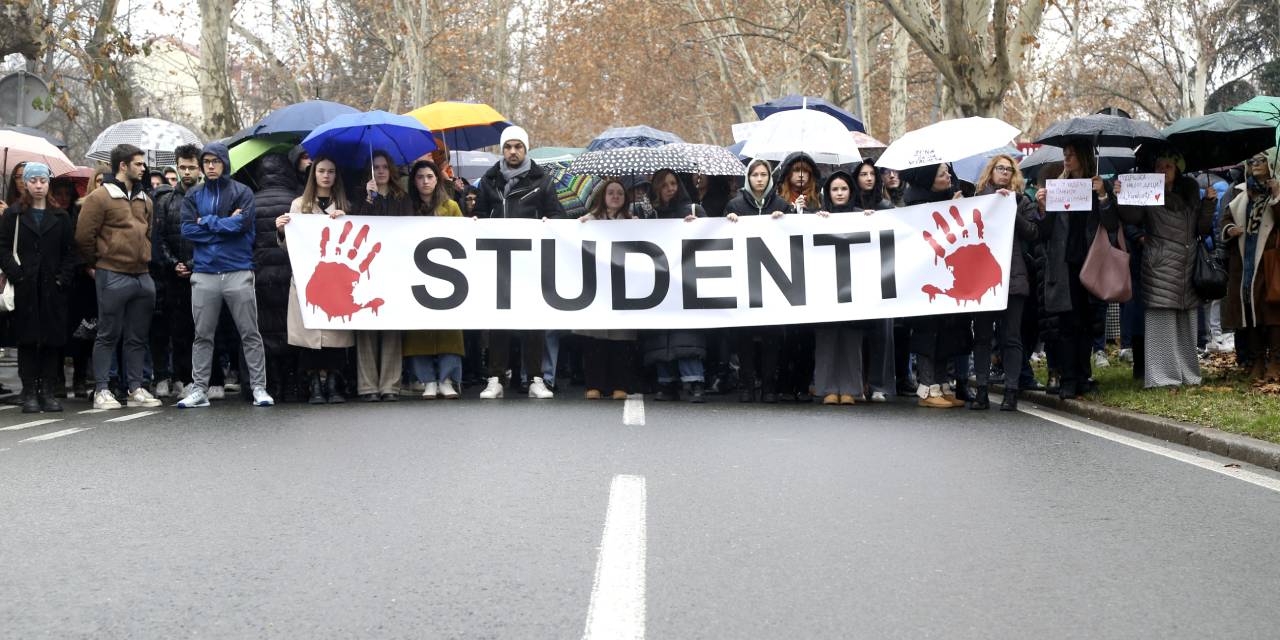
(815, 179)
(919, 188)
(873, 200)
(277, 187)
(853, 204)
(747, 204)
(222, 242)
(679, 207)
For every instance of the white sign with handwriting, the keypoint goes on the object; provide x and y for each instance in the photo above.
(1069, 195)
(1140, 189)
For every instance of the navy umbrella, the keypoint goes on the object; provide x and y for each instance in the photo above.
(795, 101)
(619, 137)
(351, 139)
(295, 120)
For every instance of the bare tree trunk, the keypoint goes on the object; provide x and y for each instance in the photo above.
(289, 86)
(898, 63)
(220, 116)
(104, 67)
(20, 29)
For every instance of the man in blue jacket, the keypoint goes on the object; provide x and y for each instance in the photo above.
(218, 219)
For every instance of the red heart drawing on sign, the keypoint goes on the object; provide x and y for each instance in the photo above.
(1157, 197)
(1066, 205)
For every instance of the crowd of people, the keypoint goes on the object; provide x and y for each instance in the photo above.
(177, 284)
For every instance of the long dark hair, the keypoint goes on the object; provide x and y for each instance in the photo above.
(13, 181)
(426, 206)
(600, 211)
(867, 199)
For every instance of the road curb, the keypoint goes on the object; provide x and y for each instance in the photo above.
(1243, 448)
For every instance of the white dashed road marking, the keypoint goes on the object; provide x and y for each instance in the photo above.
(618, 595)
(57, 434)
(133, 416)
(633, 411)
(33, 423)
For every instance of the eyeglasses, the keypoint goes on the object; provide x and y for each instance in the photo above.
(1004, 169)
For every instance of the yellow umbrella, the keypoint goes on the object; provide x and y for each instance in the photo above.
(466, 126)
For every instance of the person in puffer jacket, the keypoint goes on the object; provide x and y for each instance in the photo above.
(277, 187)
(218, 218)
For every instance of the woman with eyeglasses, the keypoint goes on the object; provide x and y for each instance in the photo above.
(1001, 175)
(1249, 229)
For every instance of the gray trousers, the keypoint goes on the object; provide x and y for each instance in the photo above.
(125, 304)
(838, 359)
(379, 362)
(208, 292)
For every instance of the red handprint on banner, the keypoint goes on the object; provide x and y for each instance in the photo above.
(973, 269)
(333, 283)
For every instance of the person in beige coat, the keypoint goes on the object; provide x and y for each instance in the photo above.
(1249, 226)
(322, 351)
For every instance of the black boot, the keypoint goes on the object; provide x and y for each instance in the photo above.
(746, 395)
(333, 389)
(696, 392)
(667, 393)
(47, 400)
(981, 400)
(29, 402)
(317, 390)
(1010, 402)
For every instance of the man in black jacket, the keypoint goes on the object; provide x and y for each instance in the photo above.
(516, 187)
(171, 264)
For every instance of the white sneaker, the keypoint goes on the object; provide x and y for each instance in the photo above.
(878, 396)
(162, 389)
(430, 390)
(1213, 346)
(217, 393)
(538, 389)
(261, 398)
(105, 400)
(1125, 355)
(447, 391)
(193, 400)
(140, 397)
(1100, 360)
(492, 390)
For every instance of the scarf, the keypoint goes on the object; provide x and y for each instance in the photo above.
(512, 174)
(1257, 208)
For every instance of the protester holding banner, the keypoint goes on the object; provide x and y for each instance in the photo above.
(1066, 237)
(1250, 231)
(798, 179)
(38, 257)
(434, 356)
(678, 352)
(870, 195)
(894, 189)
(608, 357)
(757, 197)
(838, 366)
(1002, 175)
(935, 339)
(379, 359)
(516, 187)
(323, 351)
(1173, 229)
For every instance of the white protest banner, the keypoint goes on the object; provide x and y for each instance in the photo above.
(459, 273)
(1140, 189)
(1068, 195)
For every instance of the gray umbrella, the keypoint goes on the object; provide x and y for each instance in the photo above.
(1101, 131)
(157, 138)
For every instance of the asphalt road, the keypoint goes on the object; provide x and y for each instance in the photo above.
(485, 520)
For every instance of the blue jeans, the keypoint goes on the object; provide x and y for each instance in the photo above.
(691, 370)
(437, 368)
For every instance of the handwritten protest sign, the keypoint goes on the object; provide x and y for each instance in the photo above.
(1141, 189)
(1069, 195)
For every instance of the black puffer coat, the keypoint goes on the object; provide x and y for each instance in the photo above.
(48, 256)
(278, 186)
(168, 217)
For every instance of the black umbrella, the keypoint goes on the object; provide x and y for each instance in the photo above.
(1220, 139)
(1111, 160)
(1101, 131)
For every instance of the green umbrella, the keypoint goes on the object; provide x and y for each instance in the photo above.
(1220, 139)
(1267, 107)
(253, 148)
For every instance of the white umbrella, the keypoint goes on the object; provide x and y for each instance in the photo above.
(821, 136)
(947, 141)
(157, 138)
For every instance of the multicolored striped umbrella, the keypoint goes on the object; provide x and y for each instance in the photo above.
(574, 191)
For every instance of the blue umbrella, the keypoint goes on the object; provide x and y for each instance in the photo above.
(970, 169)
(795, 101)
(474, 137)
(736, 149)
(295, 120)
(351, 139)
(618, 137)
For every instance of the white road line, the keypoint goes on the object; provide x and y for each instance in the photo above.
(633, 411)
(617, 597)
(133, 416)
(33, 423)
(8, 407)
(56, 434)
(1238, 473)
(91, 411)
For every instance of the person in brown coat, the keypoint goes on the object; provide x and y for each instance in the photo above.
(113, 236)
(1253, 245)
